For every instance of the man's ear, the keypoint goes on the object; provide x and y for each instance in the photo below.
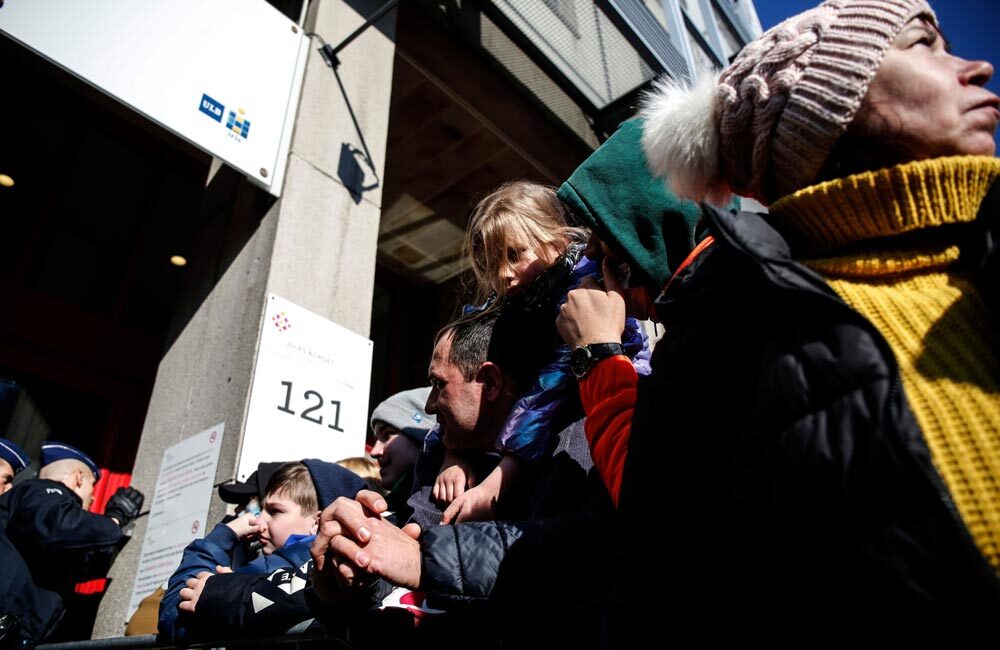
(491, 377)
(79, 478)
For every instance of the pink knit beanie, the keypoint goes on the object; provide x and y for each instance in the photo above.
(766, 125)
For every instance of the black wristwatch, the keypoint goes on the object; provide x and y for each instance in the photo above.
(585, 357)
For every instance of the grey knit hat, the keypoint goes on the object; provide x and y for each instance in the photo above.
(766, 126)
(405, 412)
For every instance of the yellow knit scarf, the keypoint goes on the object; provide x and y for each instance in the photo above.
(890, 201)
(943, 334)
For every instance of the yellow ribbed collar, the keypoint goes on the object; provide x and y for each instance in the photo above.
(870, 263)
(889, 201)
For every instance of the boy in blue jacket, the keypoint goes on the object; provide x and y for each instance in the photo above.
(286, 526)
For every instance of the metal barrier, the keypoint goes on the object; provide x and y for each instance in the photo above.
(149, 641)
(144, 641)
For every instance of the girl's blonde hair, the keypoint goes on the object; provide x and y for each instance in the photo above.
(516, 211)
(367, 469)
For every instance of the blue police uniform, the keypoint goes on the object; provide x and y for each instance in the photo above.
(14, 455)
(17, 593)
(54, 451)
(48, 543)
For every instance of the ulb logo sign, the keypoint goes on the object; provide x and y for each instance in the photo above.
(238, 124)
(211, 108)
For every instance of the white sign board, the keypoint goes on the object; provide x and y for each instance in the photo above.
(224, 75)
(179, 511)
(309, 397)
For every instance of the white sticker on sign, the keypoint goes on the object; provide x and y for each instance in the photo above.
(179, 511)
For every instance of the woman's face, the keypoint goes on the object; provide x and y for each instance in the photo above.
(925, 102)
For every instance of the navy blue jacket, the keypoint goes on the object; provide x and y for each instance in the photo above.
(220, 548)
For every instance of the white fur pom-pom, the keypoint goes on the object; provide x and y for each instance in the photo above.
(681, 138)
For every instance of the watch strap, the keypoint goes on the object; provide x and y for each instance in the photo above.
(585, 357)
(600, 351)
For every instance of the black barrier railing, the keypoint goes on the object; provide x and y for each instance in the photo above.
(146, 642)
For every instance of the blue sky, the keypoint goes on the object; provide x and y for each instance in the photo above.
(972, 26)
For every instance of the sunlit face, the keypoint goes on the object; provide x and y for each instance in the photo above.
(455, 401)
(6, 476)
(524, 261)
(395, 454)
(925, 102)
(281, 518)
(84, 487)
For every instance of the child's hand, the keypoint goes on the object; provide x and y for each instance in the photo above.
(245, 526)
(477, 504)
(450, 484)
(191, 594)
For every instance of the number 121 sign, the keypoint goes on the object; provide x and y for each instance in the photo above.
(310, 390)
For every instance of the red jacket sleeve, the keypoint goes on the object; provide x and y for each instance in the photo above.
(608, 397)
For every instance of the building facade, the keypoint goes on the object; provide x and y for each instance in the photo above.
(107, 344)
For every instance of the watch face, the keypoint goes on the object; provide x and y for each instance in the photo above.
(579, 361)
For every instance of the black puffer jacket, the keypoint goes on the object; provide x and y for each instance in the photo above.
(782, 443)
(539, 581)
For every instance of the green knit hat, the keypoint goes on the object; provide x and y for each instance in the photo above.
(614, 194)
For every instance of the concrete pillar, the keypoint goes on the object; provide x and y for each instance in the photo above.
(315, 246)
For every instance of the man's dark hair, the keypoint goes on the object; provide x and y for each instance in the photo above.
(519, 341)
(470, 341)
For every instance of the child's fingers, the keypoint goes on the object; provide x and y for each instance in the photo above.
(452, 511)
(193, 582)
(186, 594)
(450, 492)
(222, 569)
(186, 606)
(438, 486)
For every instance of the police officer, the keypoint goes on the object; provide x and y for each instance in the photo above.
(12, 460)
(47, 523)
(15, 595)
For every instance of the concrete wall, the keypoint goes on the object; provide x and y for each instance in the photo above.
(314, 246)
